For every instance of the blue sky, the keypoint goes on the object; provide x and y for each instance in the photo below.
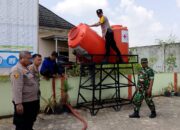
(147, 20)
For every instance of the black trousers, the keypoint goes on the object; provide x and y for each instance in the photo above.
(110, 42)
(26, 120)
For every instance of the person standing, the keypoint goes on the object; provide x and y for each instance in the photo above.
(107, 34)
(34, 69)
(51, 70)
(24, 93)
(144, 90)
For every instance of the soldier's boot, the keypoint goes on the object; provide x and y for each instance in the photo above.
(134, 115)
(153, 114)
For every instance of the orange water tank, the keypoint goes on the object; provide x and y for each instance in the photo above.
(86, 41)
(122, 40)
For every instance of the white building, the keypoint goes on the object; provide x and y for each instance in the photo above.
(26, 25)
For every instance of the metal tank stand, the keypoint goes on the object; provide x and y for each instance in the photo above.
(100, 84)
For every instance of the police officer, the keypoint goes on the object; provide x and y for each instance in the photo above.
(144, 90)
(34, 68)
(107, 34)
(24, 92)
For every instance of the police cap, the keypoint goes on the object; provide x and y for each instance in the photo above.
(99, 11)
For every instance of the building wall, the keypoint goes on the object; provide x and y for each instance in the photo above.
(71, 56)
(18, 31)
(162, 80)
(45, 47)
(46, 31)
(162, 58)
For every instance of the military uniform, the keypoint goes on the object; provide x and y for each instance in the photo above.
(25, 91)
(145, 75)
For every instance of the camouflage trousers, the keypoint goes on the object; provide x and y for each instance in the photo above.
(138, 98)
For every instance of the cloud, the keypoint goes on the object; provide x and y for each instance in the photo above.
(178, 3)
(80, 11)
(141, 22)
(79, 7)
(143, 26)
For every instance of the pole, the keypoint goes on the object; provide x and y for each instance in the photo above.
(56, 44)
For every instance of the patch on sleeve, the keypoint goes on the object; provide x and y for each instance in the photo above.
(16, 75)
(30, 68)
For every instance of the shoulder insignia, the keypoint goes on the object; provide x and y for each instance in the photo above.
(31, 68)
(16, 75)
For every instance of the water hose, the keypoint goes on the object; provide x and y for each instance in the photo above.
(64, 101)
(77, 115)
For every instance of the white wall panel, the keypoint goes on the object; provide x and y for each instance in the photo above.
(18, 28)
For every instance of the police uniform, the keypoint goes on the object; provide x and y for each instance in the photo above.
(145, 75)
(34, 70)
(25, 91)
(104, 25)
(108, 34)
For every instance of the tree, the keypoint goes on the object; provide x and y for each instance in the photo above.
(171, 39)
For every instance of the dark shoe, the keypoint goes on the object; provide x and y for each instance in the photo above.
(153, 114)
(134, 115)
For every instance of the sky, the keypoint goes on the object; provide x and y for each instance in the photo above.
(148, 21)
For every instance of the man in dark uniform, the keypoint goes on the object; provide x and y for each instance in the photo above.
(25, 93)
(144, 90)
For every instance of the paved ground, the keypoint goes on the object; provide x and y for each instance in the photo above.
(168, 118)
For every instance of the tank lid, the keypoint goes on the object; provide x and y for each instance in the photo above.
(73, 33)
(116, 26)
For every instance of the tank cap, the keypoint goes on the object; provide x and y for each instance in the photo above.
(73, 33)
(116, 26)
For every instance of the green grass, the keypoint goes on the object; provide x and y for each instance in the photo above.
(4, 78)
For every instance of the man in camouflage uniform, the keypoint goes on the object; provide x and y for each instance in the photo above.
(144, 90)
(25, 93)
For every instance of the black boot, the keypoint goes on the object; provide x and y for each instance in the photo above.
(153, 114)
(134, 115)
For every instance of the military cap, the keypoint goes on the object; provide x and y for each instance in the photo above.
(99, 11)
(144, 60)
